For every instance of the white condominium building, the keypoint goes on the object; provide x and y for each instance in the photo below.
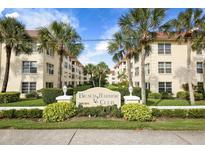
(39, 70)
(166, 66)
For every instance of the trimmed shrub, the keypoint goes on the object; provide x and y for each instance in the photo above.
(154, 95)
(166, 95)
(49, 94)
(183, 95)
(31, 113)
(8, 114)
(136, 112)
(198, 96)
(196, 113)
(33, 94)
(100, 111)
(9, 97)
(59, 112)
(178, 113)
(156, 112)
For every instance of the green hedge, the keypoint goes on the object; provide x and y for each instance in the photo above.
(100, 111)
(183, 95)
(9, 97)
(57, 112)
(49, 94)
(31, 113)
(33, 94)
(179, 113)
(155, 95)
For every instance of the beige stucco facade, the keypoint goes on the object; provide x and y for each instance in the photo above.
(41, 77)
(178, 60)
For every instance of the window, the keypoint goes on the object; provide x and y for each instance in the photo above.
(199, 67)
(29, 67)
(137, 84)
(124, 63)
(28, 87)
(164, 48)
(165, 87)
(147, 85)
(147, 70)
(49, 84)
(50, 68)
(199, 52)
(50, 52)
(164, 67)
(113, 78)
(136, 71)
(66, 65)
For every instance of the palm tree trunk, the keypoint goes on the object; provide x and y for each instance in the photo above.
(100, 81)
(191, 93)
(204, 77)
(91, 76)
(129, 72)
(143, 88)
(60, 70)
(6, 74)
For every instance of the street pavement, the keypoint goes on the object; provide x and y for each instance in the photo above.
(100, 137)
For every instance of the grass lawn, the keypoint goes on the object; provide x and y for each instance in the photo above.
(103, 123)
(25, 102)
(171, 102)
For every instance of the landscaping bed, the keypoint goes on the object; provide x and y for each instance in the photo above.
(105, 123)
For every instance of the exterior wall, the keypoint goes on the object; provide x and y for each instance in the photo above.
(16, 76)
(178, 59)
(112, 77)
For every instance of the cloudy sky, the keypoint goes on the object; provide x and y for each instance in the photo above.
(90, 24)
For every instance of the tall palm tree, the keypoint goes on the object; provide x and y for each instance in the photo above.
(90, 69)
(122, 76)
(187, 27)
(102, 70)
(15, 38)
(123, 46)
(62, 38)
(145, 22)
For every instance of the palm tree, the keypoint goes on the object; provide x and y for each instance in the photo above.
(62, 38)
(187, 27)
(90, 69)
(102, 70)
(123, 47)
(145, 22)
(15, 38)
(122, 76)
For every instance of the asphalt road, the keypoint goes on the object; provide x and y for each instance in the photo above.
(100, 137)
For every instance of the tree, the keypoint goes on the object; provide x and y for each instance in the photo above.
(15, 38)
(144, 22)
(62, 38)
(122, 76)
(124, 46)
(90, 69)
(101, 71)
(187, 28)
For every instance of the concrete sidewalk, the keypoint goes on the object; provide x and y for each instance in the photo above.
(96, 137)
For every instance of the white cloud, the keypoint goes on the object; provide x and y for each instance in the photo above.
(13, 15)
(1, 10)
(99, 49)
(34, 18)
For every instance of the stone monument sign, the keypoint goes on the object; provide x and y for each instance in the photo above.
(98, 97)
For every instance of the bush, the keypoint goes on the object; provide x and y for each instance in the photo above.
(31, 113)
(59, 112)
(166, 95)
(9, 97)
(49, 94)
(33, 94)
(183, 95)
(196, 113)
(179, 113)
(154, 95)
(100, 111)
(125, 92)
(198, 96)
(137, 112)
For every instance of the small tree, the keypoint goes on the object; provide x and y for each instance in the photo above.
(101, 71)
